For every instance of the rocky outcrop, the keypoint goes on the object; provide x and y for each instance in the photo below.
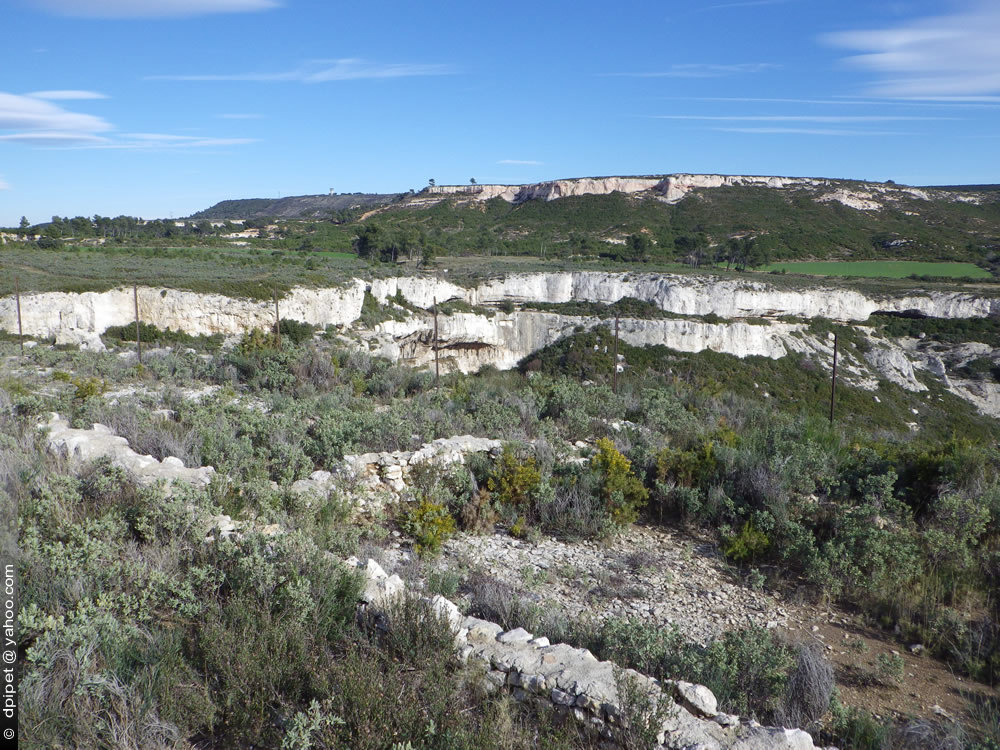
(869, 196)
(82, 446)
(670, 188)
(574, 682)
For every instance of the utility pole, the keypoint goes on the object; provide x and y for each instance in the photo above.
(833, 382)
(616, 353)
(20, 331)
(277, 319)
(138, 338)
(437, 364)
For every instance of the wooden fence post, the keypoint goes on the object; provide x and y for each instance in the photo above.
(20, 330)
(833, 381)
(138, 338)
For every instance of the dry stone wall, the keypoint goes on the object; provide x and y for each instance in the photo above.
(575, 682)
(81, 446)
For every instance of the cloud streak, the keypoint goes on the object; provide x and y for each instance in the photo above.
(744, 4)
(801, 118)
(701, 70)
(66, 95)
(953, 56)
(151, 8)
(35, 120)
(321, 71)
(521, 162)
(808, 131)
(4, 185)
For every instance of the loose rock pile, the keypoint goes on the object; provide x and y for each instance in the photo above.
(648, 573)
(575, 682)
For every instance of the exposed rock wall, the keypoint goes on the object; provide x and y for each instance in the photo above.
(573, 681)
(468, 341)
(65, 315)
(671, 188)
(60, 314)
(701, 295)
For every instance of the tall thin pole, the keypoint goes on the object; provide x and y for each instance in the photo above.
(277, 318)
(437, 364)
(138, 339)
(616, 353)
(833, 382)
(20, 330)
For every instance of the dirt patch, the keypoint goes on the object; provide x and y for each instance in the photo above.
(865, 661)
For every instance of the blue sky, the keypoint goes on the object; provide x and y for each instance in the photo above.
(163, 107)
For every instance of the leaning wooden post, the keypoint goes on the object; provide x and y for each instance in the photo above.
(20, 330)
(833, 381)
(616, 353)
(437, 364)
(138, 339)
(277, 318)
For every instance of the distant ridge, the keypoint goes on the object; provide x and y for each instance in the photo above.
(294, 206)
(966, 188)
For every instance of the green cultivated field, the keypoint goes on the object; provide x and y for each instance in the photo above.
(885, 269)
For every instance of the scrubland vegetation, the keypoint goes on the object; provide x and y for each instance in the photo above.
(136, 632)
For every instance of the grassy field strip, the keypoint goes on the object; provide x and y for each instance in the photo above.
(885, 269)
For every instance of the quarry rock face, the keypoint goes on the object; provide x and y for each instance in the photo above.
(467, 341)
(64, 314)
(67, 315)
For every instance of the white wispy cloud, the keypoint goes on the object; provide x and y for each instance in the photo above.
(4, 185)
(54, 138)
(956, 55)
(701, 70)
(522, 162)
(809, 131)
(151, 8)
(744, 4)
(240, 116)
(801, 118)
(35, 120)
(157, 141)
(320, 71)
(837, 101)
(67, 95)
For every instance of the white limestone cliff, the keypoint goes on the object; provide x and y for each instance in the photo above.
(869, 196)
(669, 188)
(64, 314)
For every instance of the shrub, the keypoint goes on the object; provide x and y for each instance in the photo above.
(889, 669)
(748, 671)
(295, 331)
(430, 524)
(809, 689)
(622, 492)
(514, 481)
(747, 545)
